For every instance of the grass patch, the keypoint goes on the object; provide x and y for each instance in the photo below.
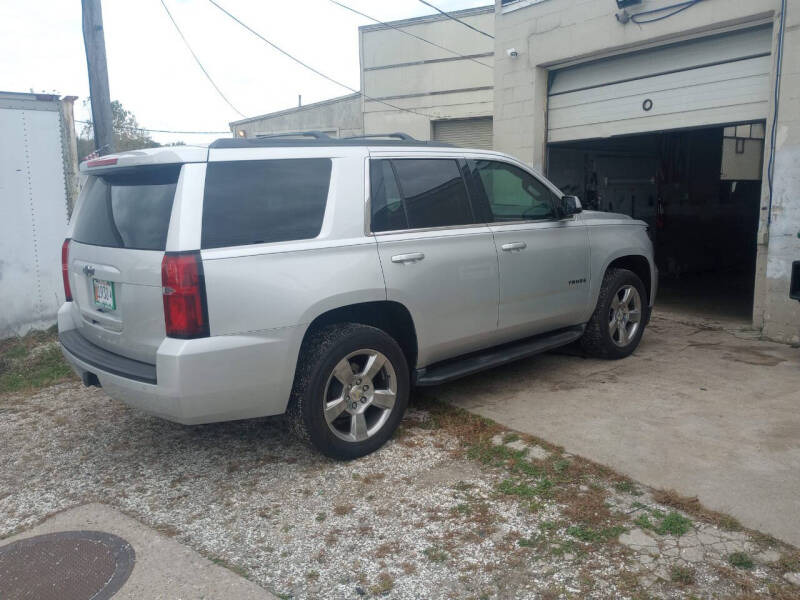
(384, 584)
(682, 575)
(626, 486)
(509, 487)
(589, 535)
(32, 362)
(666, 524)
(674, 524)
(510, 437)
(435, 555)
(691, 505)
(561, 465)
(740, 560)
(643, 522)
(528, 542)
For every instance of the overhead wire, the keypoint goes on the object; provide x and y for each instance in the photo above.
(200, 64)
(408, 33)
(312, 69)
(456, 19)
(675, 8)
(130, 128)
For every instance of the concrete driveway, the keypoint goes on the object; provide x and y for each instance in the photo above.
(707, 412)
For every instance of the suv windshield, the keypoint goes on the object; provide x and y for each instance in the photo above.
(128, 208)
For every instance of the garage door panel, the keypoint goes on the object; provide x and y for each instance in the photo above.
(714, 100)
(739, 70)
(666, 122)
(689, 55)
(597, 100)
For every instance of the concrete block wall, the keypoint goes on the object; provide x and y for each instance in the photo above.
(552, 33)
(426, 81)
(342, 116)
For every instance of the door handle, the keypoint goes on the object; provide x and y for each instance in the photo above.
(513, 246)
(408, 258)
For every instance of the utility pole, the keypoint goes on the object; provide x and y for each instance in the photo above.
(95, 44)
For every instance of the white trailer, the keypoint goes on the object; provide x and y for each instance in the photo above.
(38, 181)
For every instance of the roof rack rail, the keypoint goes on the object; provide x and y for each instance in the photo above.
(318, 138)
(398, 135)
(318, 135)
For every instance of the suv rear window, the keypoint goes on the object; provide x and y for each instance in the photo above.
(260, 201)
(128, 208)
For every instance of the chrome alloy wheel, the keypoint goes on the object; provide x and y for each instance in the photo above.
(625, 315)
(360, 395)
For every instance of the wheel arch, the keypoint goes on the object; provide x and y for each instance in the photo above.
(638, 264)
(386, 315)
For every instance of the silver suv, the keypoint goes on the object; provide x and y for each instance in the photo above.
(325, 278)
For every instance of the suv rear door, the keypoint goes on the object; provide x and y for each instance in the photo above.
(118, 242)
(438, 259)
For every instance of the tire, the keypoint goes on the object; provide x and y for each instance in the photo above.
(610, 332)
(323, 386)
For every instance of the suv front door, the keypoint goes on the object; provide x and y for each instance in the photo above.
(438, 260)
(544, 260)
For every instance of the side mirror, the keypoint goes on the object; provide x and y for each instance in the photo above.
(569, 205)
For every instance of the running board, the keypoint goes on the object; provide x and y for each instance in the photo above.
(494, 357)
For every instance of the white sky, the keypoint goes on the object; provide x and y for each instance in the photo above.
(152, 73)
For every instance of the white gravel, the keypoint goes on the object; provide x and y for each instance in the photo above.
(413, 520)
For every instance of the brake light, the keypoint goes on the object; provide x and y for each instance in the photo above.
(65, 269)
(102, 162)
(184, 289)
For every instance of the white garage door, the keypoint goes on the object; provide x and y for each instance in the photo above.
(715, 80)
(465, 133)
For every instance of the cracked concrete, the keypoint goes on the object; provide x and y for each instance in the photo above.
(709, 413)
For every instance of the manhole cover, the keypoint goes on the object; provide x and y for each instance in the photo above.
(70, 565)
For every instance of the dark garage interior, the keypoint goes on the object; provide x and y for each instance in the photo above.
(699, 191)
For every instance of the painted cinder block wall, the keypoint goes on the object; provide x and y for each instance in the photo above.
(428, 82)
(548, 33)
(341, 116)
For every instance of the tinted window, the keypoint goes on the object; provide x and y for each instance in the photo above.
(388, 212)
(434, 192)
(129, 208)
(514, 194)
(259, 201)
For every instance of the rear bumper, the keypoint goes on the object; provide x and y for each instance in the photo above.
(205, 380)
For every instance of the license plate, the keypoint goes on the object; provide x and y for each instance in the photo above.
(104, 294)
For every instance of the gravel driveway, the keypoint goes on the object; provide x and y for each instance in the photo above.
(453, 507)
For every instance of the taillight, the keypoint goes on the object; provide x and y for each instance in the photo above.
(65, 269)
(184, 289)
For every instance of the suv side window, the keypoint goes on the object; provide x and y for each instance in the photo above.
(432, 190)
(514, 194)
(259, 201)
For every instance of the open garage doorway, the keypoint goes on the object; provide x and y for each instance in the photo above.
(699, 191)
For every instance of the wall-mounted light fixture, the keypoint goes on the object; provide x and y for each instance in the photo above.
(512, 52)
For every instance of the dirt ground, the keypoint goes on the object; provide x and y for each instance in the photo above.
(454, 507)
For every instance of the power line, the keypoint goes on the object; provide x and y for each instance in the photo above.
(312, 69)
(197, 60)
(457, 20)
(130, 128)
(680, 7)
(403, 31)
